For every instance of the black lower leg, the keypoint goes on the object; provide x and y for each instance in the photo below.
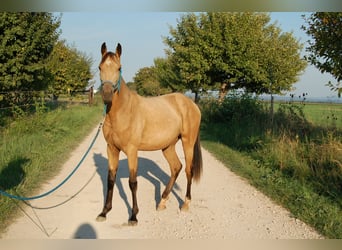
(188, 190)
(110, 187)
(134, 186)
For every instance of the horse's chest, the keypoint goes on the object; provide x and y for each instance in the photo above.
(118, 135)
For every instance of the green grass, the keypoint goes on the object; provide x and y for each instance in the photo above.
(33, 148)
(322, 114)
(296, 160)
(327, 115)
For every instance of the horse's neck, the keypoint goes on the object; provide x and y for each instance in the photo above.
(121, 98)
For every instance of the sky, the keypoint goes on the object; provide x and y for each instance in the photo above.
(141, 37)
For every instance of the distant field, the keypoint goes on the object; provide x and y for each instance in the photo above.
(322, 114)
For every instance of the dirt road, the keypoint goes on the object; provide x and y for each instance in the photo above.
(223, 204)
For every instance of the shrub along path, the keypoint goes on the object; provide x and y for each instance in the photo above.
(223, 206)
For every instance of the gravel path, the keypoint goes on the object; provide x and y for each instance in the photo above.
(224, 206)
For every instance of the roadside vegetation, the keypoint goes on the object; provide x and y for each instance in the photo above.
(292, 152)
(296, 159)
(42, 119)
(34, 146)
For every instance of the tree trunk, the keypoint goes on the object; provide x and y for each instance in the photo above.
(272, 109)
(223, 91)
(197, 97)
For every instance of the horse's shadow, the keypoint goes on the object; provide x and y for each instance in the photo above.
(146, 169)
(13, 173)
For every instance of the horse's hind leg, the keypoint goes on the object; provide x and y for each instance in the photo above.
(175, 167)
(113, 162)
(188, 153)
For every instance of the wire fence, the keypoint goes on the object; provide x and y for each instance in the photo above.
(26, 99)
(20, 104)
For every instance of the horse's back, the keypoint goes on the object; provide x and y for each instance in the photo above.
(185, 106)
(170, 115)
(182, 103)
(188, 112)
(172, 100)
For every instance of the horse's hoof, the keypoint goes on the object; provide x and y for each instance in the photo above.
(186, 205)
(100, 218)
(132, 222)
(161, 207)
(185, 208)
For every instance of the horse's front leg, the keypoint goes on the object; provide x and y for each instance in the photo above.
(133, 184)
(113, 162)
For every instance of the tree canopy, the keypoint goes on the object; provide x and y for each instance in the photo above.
(33, 60)
(70, 69)
(27, 39)
(167, 74)
(147, 83)
(325, 48)
(233, 50)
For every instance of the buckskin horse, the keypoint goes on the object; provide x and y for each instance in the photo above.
(134, 123)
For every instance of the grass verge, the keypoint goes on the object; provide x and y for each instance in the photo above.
(300, 199)
(291, 156)
(34, 148)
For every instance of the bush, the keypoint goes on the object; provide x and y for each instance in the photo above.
(299, 149)
(240, 118)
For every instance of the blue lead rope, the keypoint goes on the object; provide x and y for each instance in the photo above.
(119, 81)
(59, 185)
(104, 109)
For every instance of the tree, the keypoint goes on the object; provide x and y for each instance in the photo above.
(26, 41)
(167, 74)
(233, 42)
(325, 50)
(282, 63)
(186, 46)
(232, 51)
(146, 82)
(71, 69)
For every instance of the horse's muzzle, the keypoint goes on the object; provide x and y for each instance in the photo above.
(107, 97)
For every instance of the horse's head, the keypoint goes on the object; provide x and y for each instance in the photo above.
(110, 72)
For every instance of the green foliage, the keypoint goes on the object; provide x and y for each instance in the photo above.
(70, 68)
(294, 150)
(325, 49)
(282, 64)
(32, 61)
(167, 74)
(232, 51)
(147, 84)
(27, 39)
(243, 115)
(186, 51)
(296, 122)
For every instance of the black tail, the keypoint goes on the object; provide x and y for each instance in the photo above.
(197, 163)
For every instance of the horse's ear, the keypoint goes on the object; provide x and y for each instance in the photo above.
(118, 50)
(103, 49)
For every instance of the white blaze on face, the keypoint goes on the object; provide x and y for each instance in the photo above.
(109, 71)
